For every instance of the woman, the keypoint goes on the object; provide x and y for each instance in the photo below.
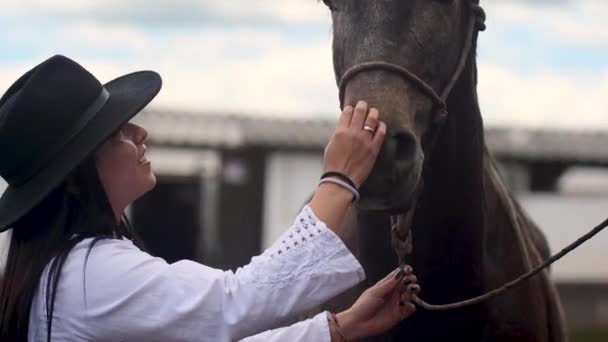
(74, 272)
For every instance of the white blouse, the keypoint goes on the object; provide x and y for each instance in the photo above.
(124, 294)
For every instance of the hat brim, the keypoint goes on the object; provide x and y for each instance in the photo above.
(129, 94)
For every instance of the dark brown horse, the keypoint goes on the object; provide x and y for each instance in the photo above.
(469, 233)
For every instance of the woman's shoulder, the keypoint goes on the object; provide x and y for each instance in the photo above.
(104, 244)
(102, 268)
(100, 248)
(108, 254)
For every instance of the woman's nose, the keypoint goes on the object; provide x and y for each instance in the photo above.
(142, 135)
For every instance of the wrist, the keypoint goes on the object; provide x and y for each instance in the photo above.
(334, 191)
(334, 334)
(342, 176)
(351, 329)
(342, 181)
(330, 204)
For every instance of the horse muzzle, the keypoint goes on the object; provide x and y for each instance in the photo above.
(395, 177)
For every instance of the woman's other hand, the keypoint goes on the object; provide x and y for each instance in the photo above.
(380, 307)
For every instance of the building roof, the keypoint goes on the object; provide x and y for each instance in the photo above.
(216, 130)
(234, 130)
(584, 147)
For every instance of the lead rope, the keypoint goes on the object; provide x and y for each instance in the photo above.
(405, 246)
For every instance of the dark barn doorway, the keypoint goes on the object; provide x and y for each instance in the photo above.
(168, 218)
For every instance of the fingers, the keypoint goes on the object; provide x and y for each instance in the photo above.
(346, 117)
(386, 286)
(360, 118)
(404, 270)
(359, 115)
(379, 136)
(406, 306)
(404, 298)
(401, 277)
(408, 280)
(409, 284)
(413, 289)
(406, 289)
(352, 150)
(407, 269)
(407, 311)
(371, 122)
(393, 275)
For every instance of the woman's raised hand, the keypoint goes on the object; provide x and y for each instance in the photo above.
(356, 142)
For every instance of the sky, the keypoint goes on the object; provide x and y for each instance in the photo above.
(542, 62)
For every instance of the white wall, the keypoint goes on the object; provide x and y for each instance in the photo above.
(563, 219)
(290, 179)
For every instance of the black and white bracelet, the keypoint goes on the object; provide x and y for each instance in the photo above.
(340, 180)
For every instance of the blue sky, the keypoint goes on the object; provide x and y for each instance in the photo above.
(542, 63)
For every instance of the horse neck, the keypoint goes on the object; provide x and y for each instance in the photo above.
(448, 227)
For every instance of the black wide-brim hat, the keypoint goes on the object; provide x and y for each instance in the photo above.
(51, 119)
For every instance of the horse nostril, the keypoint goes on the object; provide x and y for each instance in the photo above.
(405, 146)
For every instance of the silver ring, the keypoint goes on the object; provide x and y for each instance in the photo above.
(369, 129)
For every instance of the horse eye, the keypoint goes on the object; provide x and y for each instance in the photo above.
(330, 4)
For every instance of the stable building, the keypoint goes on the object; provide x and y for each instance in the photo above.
(229, 185)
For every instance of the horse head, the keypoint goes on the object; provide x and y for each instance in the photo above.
(402, 57)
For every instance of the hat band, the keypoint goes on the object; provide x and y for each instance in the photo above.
(35, 165)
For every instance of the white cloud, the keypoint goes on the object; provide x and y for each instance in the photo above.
(283, 80)
(285, 11)
(257, 70)
(577, 22)
(208, 69)
(99, 37)
(544, 98)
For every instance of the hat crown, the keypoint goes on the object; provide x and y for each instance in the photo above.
(40, 113)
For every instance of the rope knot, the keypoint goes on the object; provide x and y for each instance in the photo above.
(442, 116)
(401, 237)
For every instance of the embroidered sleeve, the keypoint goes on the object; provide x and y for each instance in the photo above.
(133, 296)
(314, 329)
(305, 267)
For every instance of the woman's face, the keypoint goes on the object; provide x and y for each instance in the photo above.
(123, 169)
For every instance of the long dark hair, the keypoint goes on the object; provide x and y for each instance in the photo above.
(76, 210)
